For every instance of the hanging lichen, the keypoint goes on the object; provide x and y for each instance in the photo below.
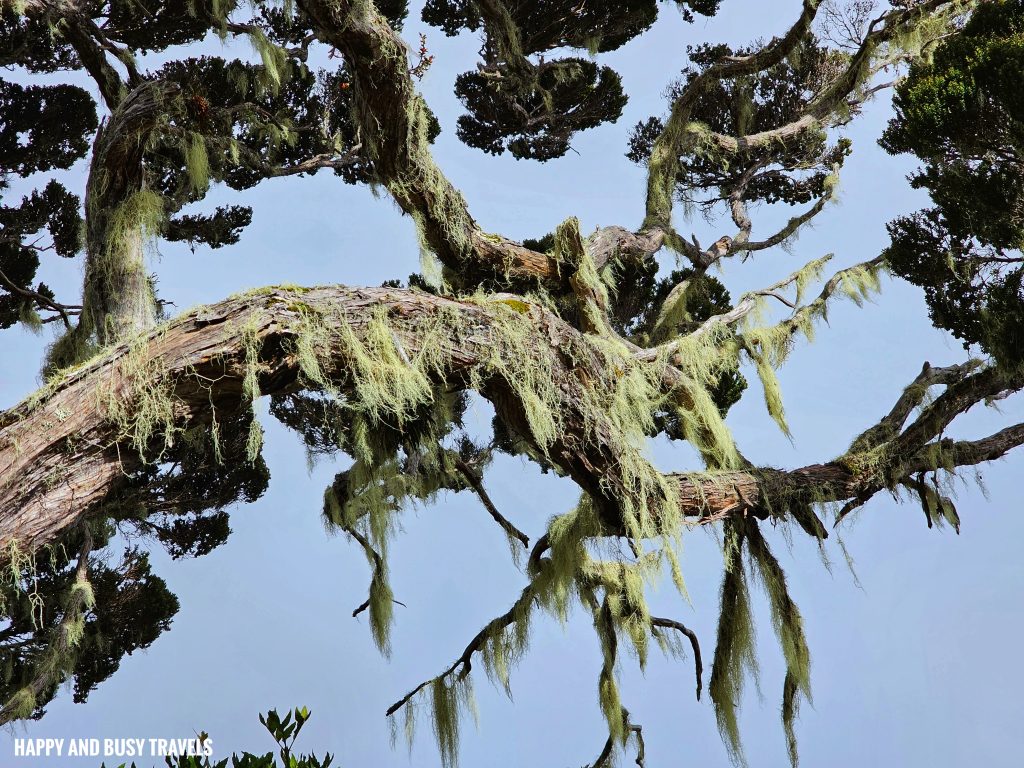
(139, 399)
(788, 625)
(734, 646)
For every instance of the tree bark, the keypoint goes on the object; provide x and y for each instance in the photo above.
(61, 453)
(118, 298)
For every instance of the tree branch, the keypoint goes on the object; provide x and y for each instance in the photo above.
(200, 360)
(59, 654)
(474, 480)
(663, 166)
(393, 121)
(74, 24)
(41, 301)
(911, 398)
(694, 643)
(858, 71)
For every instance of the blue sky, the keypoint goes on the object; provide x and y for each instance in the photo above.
(915, 666)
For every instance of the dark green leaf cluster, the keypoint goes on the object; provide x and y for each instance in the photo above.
(136, 608)
(284, 732)
(222, 227)
(570, 95)
(221, 119)
(961, 115)
(598, 26)
(182, 500)
(156, 25)
(792, 171)
(252, 128)
(31, 43)
(52, 210)
(544, 26)
(532, 109)
(45, 128)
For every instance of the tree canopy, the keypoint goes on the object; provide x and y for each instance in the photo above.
(144, 432)
(960, 114)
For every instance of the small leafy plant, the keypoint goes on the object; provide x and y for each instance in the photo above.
(284, 731)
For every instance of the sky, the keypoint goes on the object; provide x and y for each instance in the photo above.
(914, 661)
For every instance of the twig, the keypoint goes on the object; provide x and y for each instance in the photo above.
(366, 604)
(378, 566)
(465, 662)
(473, 478)
(609, 745)
(694, 643)
(40, 300)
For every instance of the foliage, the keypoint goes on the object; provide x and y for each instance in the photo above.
(136, 608)
(53, 209)
(221, 120)
(584, 345)
(284, 731)
(569, 95)
(959, 114)
(790, 172)
(533, 109)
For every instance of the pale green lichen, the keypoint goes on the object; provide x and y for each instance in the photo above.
(58, 658)
(251, 389)
(735, 657)
(788, 625)
(769, 346)
(197, 163)
(273, 57)
(138, 398)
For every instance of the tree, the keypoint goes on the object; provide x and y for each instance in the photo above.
(958, 114)
(145, 425)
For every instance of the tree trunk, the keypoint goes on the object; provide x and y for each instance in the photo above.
(121, 215)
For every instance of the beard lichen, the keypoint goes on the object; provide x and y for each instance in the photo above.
(389, 370)
(197, 163)
(118, 297)
(769, 346)
(138, 398)
(251, 389)
(734, 646)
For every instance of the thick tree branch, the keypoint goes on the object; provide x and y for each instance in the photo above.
(613, 243)
(63, 451)
(969, 452)
(393, 121)
(118, 298)
(912, 397)
(846, 91)
(841, 92)
(958, 398)
(74, 24)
